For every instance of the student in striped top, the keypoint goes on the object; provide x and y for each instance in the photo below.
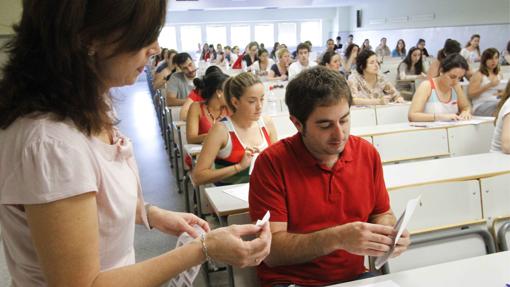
(232, 142)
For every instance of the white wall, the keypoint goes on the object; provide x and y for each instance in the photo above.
(327, 15)
(433, 20)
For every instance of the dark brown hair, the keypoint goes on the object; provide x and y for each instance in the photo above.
(317, 86)
(50, 68)
(487, 55)
(471, 39)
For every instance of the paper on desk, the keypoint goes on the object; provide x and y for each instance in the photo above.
(240, 192)
(440, 124)
(385, 283)
(401, 225)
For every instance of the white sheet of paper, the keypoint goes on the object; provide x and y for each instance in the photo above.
(264, 219)
(401, 225)
(385, 283)
(240, 192)
(252, 163)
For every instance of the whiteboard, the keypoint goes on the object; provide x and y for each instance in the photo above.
(491, 36)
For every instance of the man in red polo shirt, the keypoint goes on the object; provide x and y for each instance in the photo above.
(325, 191)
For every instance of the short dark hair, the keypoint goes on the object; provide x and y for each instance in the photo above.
(338, 38)
(181, 58)
(52, 68)
(361, 60)
(453, 61)
(303, 46)
(317, 86)
(262, 51)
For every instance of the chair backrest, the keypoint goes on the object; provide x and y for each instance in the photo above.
(501, 232)
(441, 204)
(446, 244)
(245, 277)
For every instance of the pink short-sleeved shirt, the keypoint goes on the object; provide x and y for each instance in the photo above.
(42, 160)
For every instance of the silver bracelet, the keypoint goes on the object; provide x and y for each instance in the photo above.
(147, 207)
(204, 248)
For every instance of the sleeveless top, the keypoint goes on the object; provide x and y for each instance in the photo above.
(435, 106)
(233, 152)
(204, 125)
(487, 96)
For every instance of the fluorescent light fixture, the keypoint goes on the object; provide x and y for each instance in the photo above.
(377, 21)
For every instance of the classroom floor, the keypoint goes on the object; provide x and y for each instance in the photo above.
(138, 121)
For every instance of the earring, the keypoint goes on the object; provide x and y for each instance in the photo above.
(91, 52)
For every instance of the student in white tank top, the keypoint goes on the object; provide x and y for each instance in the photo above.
(442, 98)
(483, 85)
(501, 138)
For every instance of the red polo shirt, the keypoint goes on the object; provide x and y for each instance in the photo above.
(290, 182)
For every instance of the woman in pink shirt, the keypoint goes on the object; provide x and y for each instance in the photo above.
(70, 192)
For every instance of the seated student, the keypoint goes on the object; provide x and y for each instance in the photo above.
(368, 87)
(442, 98)
(181, 83)
(330, 47)
(204, 114)
(450, 47)
(233, 141)
(251, 53)
(505, 55)
(303, 62)
(325, 190)
(194, 95)
(204, 55)
(501, 137)
(263, 65)
(338, 44)
(280, 71)
(471, 52)
(331, 60)
(366, 45)
(276, 46)
(410, 69)
(165, 70)
(400, 50)
(421, 45)
(382, 50)
(349, 60)
(481, 89)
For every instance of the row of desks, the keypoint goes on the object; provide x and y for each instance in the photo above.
(402, 177)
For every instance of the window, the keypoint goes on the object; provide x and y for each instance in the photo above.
(312, 31)
(168, 38)
(264, 33)
(216, 34)
(191, 36)
(240, 36)
(287, 34)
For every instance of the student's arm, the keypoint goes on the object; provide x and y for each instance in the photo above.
(463, 103)
(505, 134)
(183, 113)
(215, 140)
(417, 107)
(357, 238)
(271, 129)
(172, 100)
(65, 234)
(475, 88)
(390, 90)
(192, 125)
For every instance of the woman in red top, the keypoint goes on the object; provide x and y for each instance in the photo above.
(203, 115)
